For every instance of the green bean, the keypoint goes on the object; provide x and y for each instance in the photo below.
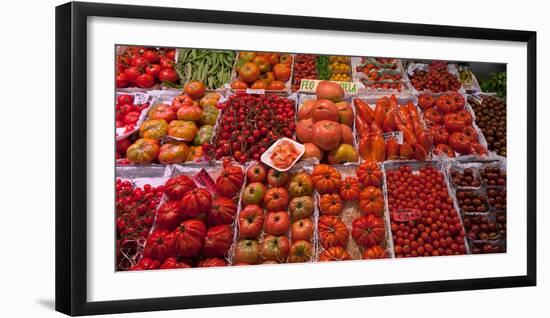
(209, 66)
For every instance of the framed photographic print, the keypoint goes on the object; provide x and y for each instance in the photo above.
(209, 158)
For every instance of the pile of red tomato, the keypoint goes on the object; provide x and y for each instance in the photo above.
(144, 67)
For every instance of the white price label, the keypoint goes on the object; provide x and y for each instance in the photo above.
(140, 98)
(397, 135)
(255, 91)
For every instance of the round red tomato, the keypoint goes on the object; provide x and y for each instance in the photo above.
(371, 201)
(168, 75)
(350, 189)
(300, 252)
(276, 199)
(247, 251)
(151, 56)
(145, 80)
(251, 221)
(168, 215)
(302, 230)
(275, 248)
(249, 72)
(230, 181)
(195, 89)
(277, 223)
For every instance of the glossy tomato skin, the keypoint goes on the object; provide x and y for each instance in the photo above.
(121, 80)
(282, 71)
(301, 207)
(300, 185)
(368, 231)
(254, 193)
(177, 186)
(277, 178)
(251, 221)
(432, 115)
(212, 262)
(151, 56)
(256, 173)
(145, 80)
(326, 179)
(426, 101)
(218, 240)
(369, 174)
(302, 230)
(275, 248)
(334, 253)
(160, 245)
(230, 181)
(460, 142)
(277, 223)
(146, 264)
(249, 72)
(168, 215)
(168, 75)
(375, 252)
(350, 189)
(276, 199)
(331, 204)
(371, 201)
(247, 251)
(444, 149)
(222, 211)
(453, 122)
(173, 152)
(332, 231)
(445, 104)
(195, 202)
(300, 252)
(142, 151)
(166, 63)
(189, 237)
(440, 134)
(195, 89)
(173, 262)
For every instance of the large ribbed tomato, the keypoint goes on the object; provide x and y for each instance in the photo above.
(173, 152)
(332, 231)
(335, 253)
(153, 128)
(162, 111)
(175, 262)
(230, 180)
(182, 129)
(300, 185)
(218, 240)
(222, 211)
(369, 174)
(368, 230)
(169, 215)
(251, 221)
(371, 201)
(331, 204)
(189, 237)
(177, 186)
(350, 189)
(212, 262)
(144, 150)
(195, 202)
(375, 252)
(326, 179)
(159, 245)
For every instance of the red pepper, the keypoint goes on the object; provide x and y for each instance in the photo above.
(406, 151)
(363, 110)
(377, 147)
(379, 114)
(392, 149)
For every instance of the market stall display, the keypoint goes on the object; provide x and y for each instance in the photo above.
(238, 161)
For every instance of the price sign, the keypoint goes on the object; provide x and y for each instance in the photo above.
(140, 98)
(397, 135)
(404, 215)
(308, 85)
(205, 180)
(255, 91)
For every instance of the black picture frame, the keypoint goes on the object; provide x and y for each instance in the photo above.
(71, 157)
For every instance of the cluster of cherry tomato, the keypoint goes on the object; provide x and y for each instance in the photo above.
(135, 214)
(305, 67)
(250, 124)
(437, 79)
(127, 113)
(436, 229)
(144, 67)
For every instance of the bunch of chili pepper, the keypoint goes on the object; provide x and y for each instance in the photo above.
(388, 116)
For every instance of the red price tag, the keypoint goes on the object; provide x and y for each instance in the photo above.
(205, 180)
(405, 215)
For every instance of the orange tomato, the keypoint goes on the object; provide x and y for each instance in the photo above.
(276, 86)
(249, 72)
(238, 84)
(281, 71)
(259, 84)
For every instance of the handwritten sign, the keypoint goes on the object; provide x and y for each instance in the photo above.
(205, 180)
(140, 98)
(309, 85)
(404, 215)
(397, 135)
(255, 91)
